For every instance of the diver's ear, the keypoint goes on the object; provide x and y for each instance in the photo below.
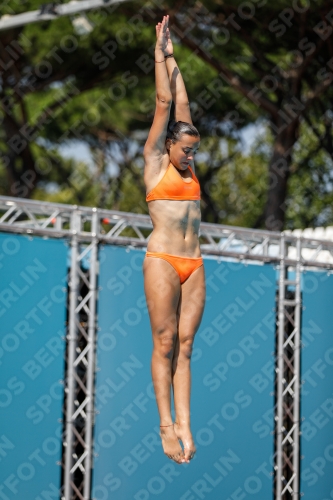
(168, 143)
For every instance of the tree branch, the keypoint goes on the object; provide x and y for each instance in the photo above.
(308, 59)
(231, 78)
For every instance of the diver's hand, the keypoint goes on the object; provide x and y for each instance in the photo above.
(163, 37)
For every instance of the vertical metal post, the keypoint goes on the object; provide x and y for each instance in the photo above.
(91, 353)
(71, 338)
(280, 371)
(297, 354)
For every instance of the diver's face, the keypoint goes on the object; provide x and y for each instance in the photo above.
(182, 152)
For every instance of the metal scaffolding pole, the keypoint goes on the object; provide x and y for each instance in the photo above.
(91, 355)
(280, 370)
(297, 373)
(85, 269)
(71, 339)
(287, 471)
(86, 227)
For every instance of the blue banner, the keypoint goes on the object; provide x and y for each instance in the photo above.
(317, 387)
(232, 387)
(32, 330)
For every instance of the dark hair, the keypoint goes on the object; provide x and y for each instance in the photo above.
(177, 129)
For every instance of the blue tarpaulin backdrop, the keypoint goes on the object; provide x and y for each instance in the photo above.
(232, 384)
(317, 389)
(32, 329)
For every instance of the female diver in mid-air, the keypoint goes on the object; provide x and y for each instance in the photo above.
(174, 278)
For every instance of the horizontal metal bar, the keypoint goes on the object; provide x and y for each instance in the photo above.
(136, 243)
(52, 233)
(213, 229)
(234, 242)
(287, 302)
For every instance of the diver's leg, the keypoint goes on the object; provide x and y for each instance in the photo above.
(192, 301)
(162, 289)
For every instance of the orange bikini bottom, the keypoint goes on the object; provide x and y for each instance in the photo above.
(184, 266)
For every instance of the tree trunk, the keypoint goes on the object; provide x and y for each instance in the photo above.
(279, 171)
(21, 179)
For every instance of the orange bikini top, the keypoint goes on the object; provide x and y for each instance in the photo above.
(173, 187)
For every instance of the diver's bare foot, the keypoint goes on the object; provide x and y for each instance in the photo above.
(171, 445)
(183, 432)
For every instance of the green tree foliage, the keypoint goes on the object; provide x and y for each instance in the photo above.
(310, 201)
(234, 181)
(243, 63)
(277, 57)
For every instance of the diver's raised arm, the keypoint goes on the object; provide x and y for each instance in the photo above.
(177, 85)
(155, 144)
